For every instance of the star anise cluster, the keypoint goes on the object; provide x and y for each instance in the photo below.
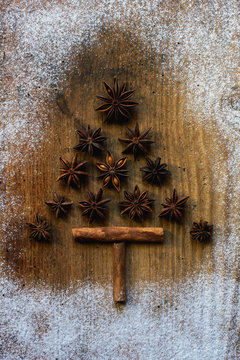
(155, 172)
(137, 141)
(72, 171)
(117, 103)
(90, 140)
(174, 207)
(94, 207)
(112, 170)
(136, 203)
(201, 231)
(59, 205)
(39, 229)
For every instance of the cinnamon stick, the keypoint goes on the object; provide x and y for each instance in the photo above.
(119, 234)
(119, 272)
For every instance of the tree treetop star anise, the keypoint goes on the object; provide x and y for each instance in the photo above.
(94, 207)
(72, 171)
(59, 205)
(117, 101)
(112, 170)
(136, 141)
(174, 207)
(90, 141)
(40, 229)
(155, 171)
(136, 204)
(201, 231)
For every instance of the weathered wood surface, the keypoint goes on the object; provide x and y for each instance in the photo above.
(161, 103)
(191, 150)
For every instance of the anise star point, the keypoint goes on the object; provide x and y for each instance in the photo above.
(72, 171)
(155, 172)
(201, 231)
(174, 207)
(39, 229)
(59, 205)
(117, 102)
(112, 170)
(90, 140)
(136, 204)
(94, 207)
(137, 141)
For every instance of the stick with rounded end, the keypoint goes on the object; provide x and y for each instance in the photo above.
(119, 272)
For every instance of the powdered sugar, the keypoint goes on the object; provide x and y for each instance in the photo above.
(167, 320)
(201, 52)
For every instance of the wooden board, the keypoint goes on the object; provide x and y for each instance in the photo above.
(189, 148)
(161, 106)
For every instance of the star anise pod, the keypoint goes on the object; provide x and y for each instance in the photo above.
(59, 205)
(94, 207)
(40, 229)
(155, 171)
(112, 170)
(174, 207)
(90, 140)
(72, 171)
(136, 141)
(117, 101)
(136, 204)
(201, 231)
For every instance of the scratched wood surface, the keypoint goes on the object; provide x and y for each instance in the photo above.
(182, 146)
(191, 151)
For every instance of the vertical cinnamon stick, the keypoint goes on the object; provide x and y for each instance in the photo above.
(119, 272)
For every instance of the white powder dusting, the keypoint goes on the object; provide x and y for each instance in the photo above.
(160, 321)
(201, 320)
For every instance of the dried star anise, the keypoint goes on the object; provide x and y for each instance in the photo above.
(94, 207)
(136, 204)
(174, 207)
(90, 141)
(40, 229)
(117, 101)
(155, 171)
(136, 141)
(201, 231)
(72, 172)
(59, 205)
(112, 170)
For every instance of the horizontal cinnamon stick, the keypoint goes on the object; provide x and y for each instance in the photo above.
(119, 272)
(119, 234)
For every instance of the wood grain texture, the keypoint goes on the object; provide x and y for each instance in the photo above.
(197, 156)
(161, 106)
(161, 103)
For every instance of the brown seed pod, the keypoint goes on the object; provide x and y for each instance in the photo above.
(112, 170)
